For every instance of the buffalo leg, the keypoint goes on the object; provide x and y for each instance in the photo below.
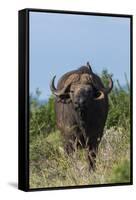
(71, 145)
(92, 152)
(69, 148)
(92, 159)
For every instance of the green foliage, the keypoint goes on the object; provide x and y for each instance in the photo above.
(119, 112)
(42, 117)
(119, 103)
(121, 172)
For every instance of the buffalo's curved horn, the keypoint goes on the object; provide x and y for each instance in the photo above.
(101, 96)
(103, 89)
(109, 88)
(54, 90)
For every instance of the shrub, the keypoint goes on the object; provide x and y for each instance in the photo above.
(119, 103)
(121, 172)
(42, 117)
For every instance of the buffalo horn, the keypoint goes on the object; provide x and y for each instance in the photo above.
(109, 88)
(54, 90)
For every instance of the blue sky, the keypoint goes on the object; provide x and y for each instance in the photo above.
(63, 42)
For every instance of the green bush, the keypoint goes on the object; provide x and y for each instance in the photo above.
(119, 103)
(42, 117)
(121, 172)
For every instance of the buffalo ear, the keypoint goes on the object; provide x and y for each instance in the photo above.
(98, 95)
(64, 100)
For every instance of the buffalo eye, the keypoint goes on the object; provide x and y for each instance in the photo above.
(71, 91)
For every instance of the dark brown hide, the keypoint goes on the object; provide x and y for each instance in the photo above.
(80, 114)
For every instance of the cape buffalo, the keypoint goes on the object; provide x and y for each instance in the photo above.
(81, 106)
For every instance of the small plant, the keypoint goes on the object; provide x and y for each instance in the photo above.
(119, 103)
(121, 172)
(42, 117)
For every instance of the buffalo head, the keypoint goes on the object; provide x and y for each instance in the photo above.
(81, 89)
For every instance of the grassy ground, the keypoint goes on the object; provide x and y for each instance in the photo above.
(51, 167)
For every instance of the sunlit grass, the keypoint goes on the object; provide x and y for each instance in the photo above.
(51, 167)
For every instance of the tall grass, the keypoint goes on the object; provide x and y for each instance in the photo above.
(51, 167)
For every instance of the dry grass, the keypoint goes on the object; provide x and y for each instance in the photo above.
(51, 167)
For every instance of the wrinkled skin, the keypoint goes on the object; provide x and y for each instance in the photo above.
(81, 111)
